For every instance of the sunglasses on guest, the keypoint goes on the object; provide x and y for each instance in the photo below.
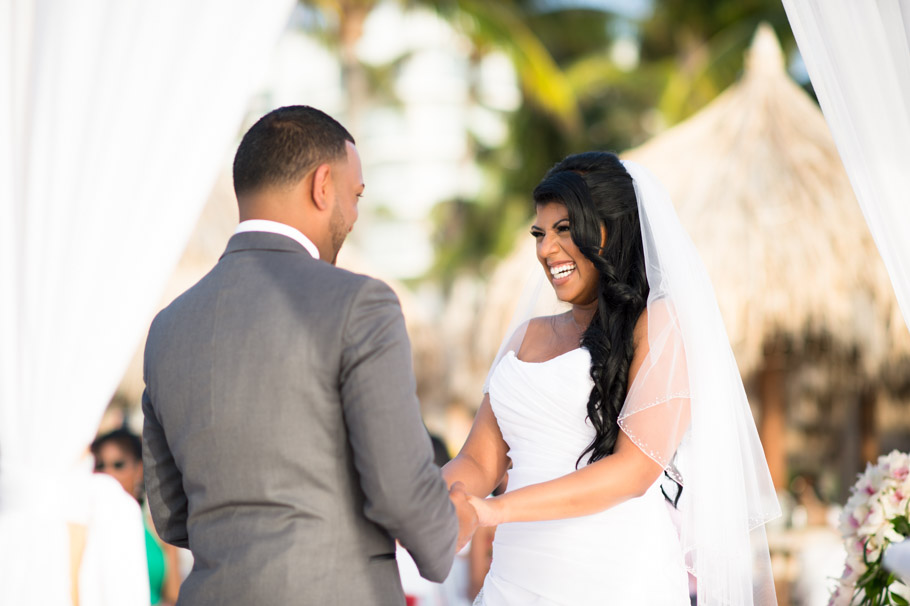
(116, 465)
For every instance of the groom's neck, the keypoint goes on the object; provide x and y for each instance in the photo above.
(292, 207)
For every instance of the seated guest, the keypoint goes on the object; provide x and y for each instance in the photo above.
(119, 454)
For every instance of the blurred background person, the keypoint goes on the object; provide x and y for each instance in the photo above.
(107, 562)
(119, 454)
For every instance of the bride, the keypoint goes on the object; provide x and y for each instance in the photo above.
(599, 415)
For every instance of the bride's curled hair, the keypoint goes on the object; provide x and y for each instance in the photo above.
(599, 195)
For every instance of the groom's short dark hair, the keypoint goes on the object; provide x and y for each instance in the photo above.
(284, 145)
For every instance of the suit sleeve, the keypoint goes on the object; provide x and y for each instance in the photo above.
(405, 492)
(163, 480)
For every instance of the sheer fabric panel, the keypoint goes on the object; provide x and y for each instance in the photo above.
(114, 118)
(858, 57)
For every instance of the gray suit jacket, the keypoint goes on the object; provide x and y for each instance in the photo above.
(283, 443)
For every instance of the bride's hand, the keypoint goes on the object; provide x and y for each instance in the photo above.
(489, 511)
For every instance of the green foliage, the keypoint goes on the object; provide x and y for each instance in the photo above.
(702, 43)
(469, 232)
(504, 26)
(902, 525)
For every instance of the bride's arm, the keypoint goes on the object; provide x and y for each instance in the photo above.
(483, 461)
(625, 474)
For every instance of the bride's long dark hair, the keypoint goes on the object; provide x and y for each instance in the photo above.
(597, 191)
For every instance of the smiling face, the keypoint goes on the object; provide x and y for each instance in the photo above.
(573, 276)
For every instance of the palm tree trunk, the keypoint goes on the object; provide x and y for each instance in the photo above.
(868, 433)
(772, 386)
(354, 78)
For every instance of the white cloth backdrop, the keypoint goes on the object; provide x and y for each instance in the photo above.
(114, 118)
(858, 57)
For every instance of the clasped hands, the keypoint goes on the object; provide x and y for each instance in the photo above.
(472, 512)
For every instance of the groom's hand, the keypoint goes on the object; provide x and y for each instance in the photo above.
(467, 517)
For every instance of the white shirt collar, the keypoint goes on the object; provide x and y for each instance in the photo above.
(283, 229)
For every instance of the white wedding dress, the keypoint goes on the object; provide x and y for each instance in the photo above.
(627, 555)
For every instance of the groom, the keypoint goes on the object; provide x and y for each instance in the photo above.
(283, 443)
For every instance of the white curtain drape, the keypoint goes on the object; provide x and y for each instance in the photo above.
(858, 57)
(114, 118)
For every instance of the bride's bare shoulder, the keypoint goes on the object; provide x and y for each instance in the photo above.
(543, 338)
(544, 326)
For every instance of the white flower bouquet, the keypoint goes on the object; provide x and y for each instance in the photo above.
(875, 516)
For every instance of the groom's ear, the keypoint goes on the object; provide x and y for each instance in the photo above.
(322, 186)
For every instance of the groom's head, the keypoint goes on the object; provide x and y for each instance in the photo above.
(298, 165)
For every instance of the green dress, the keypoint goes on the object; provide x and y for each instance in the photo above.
(157, 567)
